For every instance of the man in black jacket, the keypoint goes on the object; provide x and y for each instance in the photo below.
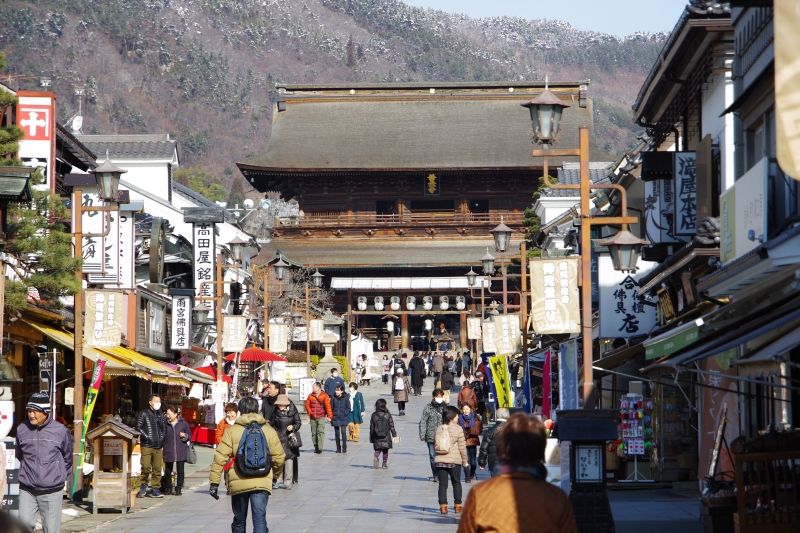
(488, 452)
(268, 401)
(152, 432)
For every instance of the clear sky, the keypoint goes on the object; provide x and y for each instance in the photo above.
(617, 17)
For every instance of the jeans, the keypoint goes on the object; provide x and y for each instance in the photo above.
(432, 456)
(167, 481)
(152, 464)
(318, 432)
(340, 432)
(47, 505)
(257, 500)
(454, 474)
(472, 453)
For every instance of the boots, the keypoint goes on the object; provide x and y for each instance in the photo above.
(459, 507)
(443, 508)
(177, 491)
(375, 463)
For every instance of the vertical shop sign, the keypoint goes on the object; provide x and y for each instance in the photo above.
(204, 273)
(624, 313)
(487, 330)
(104, 317)
(108, 250)
(685, 217)
(473, 328)
(554, 295)
(507, 336)
(181, 323)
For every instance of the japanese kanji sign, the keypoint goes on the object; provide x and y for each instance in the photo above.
(278, 337)
(658, 209)
(498, 366)
(622, 313)
(554, 295)
(36, 118)
(109, 249)
(507, 336)
(316, 330)
(685, 212)
(204, 272)
(473, 328)
(104, 316)
(234, 333)
(181, 323)
(126, 279)
(487, 337)
(92, 225)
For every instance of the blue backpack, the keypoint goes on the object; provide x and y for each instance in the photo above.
(252, 456)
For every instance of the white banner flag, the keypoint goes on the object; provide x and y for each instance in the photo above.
(473, 328)
(278, 337)
(234, 333)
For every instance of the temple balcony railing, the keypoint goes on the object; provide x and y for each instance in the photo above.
(438, 218)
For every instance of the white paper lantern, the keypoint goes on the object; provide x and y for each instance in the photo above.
(461, 303)
(362, 303)
(379, 303)
(390, 326)
(444, 303)
(395, 303)
(427, 302)
(428, 324)
(411, 303)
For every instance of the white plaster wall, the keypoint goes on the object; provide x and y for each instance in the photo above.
(715, 100)
(550, 208)
(150, 176)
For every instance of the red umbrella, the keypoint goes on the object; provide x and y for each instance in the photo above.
(254, 354)
(212, 371)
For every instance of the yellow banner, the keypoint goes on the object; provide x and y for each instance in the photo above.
(787, 85)
(502, 383)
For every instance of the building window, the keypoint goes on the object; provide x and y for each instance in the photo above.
(386, 207)
(754, 144)
(479, 206)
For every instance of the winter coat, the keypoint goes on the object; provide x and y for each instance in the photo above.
(403, 394)
(45, 456)
(280, 421)
(438, 363)
(381, 443)
(220, 431)
(448, 381)
(340, 405)
(417, 367)
(175, 447)
(457, 455)
(466, 396)
(356, 415)
(398, 363)
(152, 428)
(268, 406)
(480, 389)
(318, 406)
(386, 364)
(230, 444)
(472, 435)
(488, 452)
(431, 419)
(331, 383)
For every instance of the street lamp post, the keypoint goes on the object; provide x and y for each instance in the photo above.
(545, 111)
(108, 177)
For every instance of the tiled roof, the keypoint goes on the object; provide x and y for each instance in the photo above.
(131, 146)
(569, 173)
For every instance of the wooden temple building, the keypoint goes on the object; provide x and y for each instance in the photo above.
(398, 186)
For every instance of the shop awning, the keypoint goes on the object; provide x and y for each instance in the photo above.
(766, 361)
(114, 366)
(673, 340)
(146, 368)
(620, 357)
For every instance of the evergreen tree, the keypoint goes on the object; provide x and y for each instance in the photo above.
(9, 135)
(200, 182)
(350, 50)
(533, 223)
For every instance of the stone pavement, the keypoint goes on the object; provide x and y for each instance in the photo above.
(339, 492)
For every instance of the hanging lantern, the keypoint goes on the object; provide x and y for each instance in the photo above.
(395, 303)
(411, 303)
(390, 326)
(362, 303)
(461, 303)
(444, 303)
(379, 303)
(428, 324)
(427, 302)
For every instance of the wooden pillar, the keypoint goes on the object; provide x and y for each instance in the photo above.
(462, 330)
(404, 338)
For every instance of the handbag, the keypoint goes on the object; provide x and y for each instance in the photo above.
(191, 453)
(293, 439)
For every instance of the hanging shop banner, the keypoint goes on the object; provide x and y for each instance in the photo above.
(316, 329)
(278, 338)
(624, 313)
(658, 209)
(91, 399)
(507, 336)
(92, 227)
(473, 328)
(487, 330)
(204, 272)
(554, 295)
(568, 375)
(181, 323)
(234, 333)
(498, 366)
(36, 117)
(126, 245)
(685, 214)
(786, 19)
(109, 251)
(547, 384)
(104, 317)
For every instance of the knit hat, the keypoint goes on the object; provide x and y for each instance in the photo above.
(282, 400)
(40, 401)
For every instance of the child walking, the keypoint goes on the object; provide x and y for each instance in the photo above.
(381, 433)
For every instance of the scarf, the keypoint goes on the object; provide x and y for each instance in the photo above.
(470, 419)
(537, 472)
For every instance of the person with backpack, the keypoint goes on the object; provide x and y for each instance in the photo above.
(381, 433)
(471, 424)
(432, 419)
(340, 405)
(318, 408)
(451, 455)
(401, 389)
(250, 451)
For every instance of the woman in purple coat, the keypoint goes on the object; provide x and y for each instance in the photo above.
(176, 450)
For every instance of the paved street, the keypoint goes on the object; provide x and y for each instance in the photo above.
(343, 493)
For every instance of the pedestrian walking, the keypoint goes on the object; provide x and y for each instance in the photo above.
(447, 384)
(471, 424)
(381, 433)
(340, 405)
(268, 400)
(231, 414)
(152, 428)
(481, 393)
(286, 422)
(386, 365)
(504, 503)
(254, 450)
(44, 450)
(417, 368)
(451, 455)
(318, 409)
(401, 388)
(356, 416)
(430, 420)
(429, 365)
(366, 373)
(466, 363)
(333, 381)
(466, 396)
(438, 366)
(487, 455)
(176, 451)
(457, 365)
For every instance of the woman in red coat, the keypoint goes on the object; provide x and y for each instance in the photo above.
(472, 427)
